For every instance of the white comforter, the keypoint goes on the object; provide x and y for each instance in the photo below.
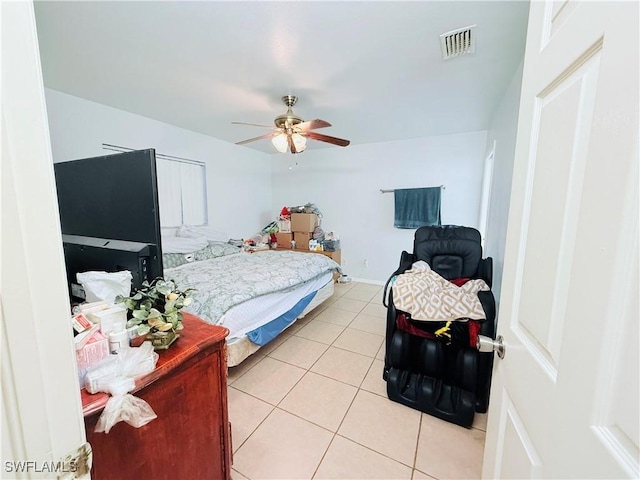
(224, 282)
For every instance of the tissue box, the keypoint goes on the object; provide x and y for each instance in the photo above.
(91, 347)
(112, 319)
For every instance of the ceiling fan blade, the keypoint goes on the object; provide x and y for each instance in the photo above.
(326, 138)
(252, 124)
(313, 124)
(266, 135)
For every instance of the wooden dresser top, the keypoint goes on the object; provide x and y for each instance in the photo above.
(195, 337)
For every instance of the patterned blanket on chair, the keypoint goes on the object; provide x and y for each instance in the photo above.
(428, 297)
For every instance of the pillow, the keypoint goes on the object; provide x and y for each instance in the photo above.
(193, 231)
(216, 249)
(168, 231)
(171, 260)
(183, 244)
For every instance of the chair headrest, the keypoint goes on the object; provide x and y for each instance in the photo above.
(452, 251)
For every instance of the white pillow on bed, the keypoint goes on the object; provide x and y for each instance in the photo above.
(193, 231)
(183, 244)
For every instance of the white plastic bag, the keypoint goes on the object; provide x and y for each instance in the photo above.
(133, 410)
(105, 285)
(137, 361)
(115, 376)
(128, 363)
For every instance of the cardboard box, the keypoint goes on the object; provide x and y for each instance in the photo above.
(302, 240)
(284, 239)
(284, 226)
(303, 222)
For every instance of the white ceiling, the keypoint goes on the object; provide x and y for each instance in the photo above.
(373, 69)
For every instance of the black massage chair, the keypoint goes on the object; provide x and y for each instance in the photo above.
(449, 380)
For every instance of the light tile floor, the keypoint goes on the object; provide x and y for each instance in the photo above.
(312, 404)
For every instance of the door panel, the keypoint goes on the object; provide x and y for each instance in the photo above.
(563, 114)
(565, 397)
(616, 415)
(520, 455)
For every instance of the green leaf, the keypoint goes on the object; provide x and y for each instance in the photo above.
(143, 329)
(137, 296)
(140, 314)
(155, 313)
(133, 322)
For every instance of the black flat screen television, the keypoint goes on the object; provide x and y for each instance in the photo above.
(112, 197)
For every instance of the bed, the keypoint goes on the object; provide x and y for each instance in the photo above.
(255, 295)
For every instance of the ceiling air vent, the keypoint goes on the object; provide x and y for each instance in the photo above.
(458, 42)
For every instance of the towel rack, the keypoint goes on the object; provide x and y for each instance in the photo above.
(393, 190)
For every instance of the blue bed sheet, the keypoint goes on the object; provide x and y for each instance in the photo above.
(264, 334)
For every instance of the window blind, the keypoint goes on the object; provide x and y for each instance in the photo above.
(182, 190)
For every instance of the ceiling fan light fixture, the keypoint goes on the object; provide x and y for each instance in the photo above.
(299, 141)
(291, 132)
(280, 142)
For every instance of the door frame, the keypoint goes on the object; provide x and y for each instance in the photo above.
(41, 407)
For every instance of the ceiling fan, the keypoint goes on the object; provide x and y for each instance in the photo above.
(291, 132)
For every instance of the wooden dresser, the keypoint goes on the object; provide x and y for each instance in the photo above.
(191, 438)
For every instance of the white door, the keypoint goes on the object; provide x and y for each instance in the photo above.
(564, 400)
(43, 434)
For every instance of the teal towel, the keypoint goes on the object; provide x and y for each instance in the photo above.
(417, 207)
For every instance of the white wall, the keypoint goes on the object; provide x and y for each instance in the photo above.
(503, 126)
(238, 183)
(345, 184)
(247, 189)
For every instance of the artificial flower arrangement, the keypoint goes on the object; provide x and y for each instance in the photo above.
(155, 308)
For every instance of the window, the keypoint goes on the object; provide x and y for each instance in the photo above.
(182, 191)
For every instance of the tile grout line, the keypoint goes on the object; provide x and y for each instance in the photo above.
(415, 453)
(307, 370)
(358, 388)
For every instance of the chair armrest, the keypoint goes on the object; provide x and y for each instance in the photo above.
(485, 270)
(406, 260)
(488, 302)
